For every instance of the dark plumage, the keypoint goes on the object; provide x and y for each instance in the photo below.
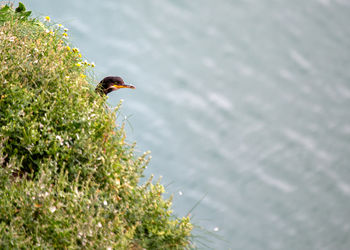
(111, 83)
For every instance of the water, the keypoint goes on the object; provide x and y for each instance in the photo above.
(244, 104)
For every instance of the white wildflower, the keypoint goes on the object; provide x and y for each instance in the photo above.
(59, 138)
(52, 209)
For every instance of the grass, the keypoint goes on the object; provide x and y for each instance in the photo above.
(68, 176)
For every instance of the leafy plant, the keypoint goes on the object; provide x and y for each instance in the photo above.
(21, 13)
(68, 176)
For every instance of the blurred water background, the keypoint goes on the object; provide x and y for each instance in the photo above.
(244, 105)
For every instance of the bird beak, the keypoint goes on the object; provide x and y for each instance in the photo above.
(124, 86)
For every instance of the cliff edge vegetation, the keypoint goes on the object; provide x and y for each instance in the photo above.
(68, 176)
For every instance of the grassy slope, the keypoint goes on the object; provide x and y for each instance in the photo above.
(67, 176)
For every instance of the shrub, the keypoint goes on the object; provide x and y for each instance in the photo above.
(68, 178)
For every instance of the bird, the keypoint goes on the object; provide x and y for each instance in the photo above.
(111, 83)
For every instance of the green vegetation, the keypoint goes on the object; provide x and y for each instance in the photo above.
(68, 178)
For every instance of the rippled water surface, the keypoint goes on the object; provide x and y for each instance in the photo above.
(244, 105)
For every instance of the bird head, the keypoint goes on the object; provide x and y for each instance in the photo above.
(112, 83)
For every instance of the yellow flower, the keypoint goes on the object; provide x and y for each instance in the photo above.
(65, 29)
(60, 25)
(82, 76)
(79, 55)
(78, 64)
(47, 18)
(75, 50)
(92, 64)
(68, 48)
(65, 34)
